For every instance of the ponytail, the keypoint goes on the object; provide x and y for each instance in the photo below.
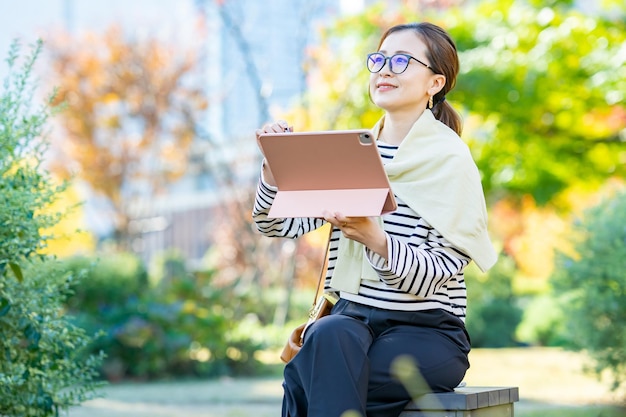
(446, 114)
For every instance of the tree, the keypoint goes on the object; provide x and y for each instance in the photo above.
(547, 85)
(493, 313)
(543, 114)
(541, 95)
(131, 110)
(42, 369)
(591, 285)
(541, 89)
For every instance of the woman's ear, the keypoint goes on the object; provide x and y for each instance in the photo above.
(438, 81)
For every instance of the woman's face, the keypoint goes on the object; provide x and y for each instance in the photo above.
(410, 90)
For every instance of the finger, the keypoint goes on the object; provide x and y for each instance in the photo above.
(274, 128)
(341, 218)
(328, 216)
(285, 126)
(271, 128)
(341, 221)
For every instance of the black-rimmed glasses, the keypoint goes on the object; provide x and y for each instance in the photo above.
(398, 63)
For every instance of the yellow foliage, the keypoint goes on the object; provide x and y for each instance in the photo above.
(542, 231)
(68, 236)
(126, 102)
(532, 234)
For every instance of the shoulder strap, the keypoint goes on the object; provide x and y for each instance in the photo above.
(320, 287)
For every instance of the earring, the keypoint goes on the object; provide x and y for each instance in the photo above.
(430, 102)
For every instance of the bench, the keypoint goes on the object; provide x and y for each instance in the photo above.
(466, 402)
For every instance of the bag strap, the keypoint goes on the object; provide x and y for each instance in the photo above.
(323, 269)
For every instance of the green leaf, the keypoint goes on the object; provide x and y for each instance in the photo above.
(33, 336)
(5, 306)
(17, 271)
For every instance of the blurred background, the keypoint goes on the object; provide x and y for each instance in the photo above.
(156, 106)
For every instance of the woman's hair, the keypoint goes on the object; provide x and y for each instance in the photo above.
(442, 55)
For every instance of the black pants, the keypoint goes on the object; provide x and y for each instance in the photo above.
(347, 359)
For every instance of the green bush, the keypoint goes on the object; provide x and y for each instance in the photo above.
(543, 323)
(592, 287)
(492, 312)
(43, 368)
(181, 325)
(109, 279)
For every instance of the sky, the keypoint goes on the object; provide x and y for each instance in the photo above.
(29, 20)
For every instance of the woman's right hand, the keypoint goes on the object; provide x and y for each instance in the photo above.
(279, 126)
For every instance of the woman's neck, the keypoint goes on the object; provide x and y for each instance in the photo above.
(396, 127)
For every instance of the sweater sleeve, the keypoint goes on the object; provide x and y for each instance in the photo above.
(419, 269)
(278, 227)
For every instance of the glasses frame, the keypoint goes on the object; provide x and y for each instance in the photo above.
(389, 58)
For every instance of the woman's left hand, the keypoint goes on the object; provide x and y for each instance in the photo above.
(365, 230)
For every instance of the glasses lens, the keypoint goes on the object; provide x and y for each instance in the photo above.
(375, 62)
(399, 63)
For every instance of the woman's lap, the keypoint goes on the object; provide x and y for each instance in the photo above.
(402, 361)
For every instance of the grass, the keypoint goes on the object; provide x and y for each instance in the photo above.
(550, 381)
(549, 375)
(597, 411)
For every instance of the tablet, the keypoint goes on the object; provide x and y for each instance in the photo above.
(337, 171)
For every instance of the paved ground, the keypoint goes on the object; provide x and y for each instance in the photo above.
(547, 378)
(217, 398)
(223, 398)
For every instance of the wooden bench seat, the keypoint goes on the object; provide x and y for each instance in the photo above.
(466, 402)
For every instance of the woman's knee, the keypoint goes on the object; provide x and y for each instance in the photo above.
(341, 329)
(433, 364)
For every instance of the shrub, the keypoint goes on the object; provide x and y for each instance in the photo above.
(542, 323)
(109, 279)
(591, 284)
(181, 325)
(42, 368)
(492, 312)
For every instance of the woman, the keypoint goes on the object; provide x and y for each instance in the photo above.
(408, 299)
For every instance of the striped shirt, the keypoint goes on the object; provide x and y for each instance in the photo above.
(423, 270)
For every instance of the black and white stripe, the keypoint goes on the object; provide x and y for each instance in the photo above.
(423, 271)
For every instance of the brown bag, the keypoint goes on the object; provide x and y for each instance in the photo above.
(321, 307)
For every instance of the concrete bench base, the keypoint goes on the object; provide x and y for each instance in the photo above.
(466, 402)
